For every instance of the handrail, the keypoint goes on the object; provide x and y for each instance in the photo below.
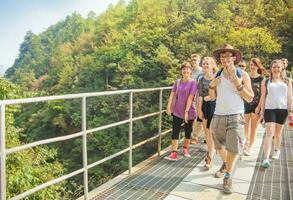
(83, 96)
(76, 96)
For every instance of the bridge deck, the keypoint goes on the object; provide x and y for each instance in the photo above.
(187, 179)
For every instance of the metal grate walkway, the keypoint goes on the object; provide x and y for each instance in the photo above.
(159, 178)
(156, 180)
(275, 182)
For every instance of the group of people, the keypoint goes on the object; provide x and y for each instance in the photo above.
(230, 103)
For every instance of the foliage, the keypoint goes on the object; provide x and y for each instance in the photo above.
(135, 45)
(29, 168)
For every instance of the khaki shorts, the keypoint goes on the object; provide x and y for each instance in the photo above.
(228, 131)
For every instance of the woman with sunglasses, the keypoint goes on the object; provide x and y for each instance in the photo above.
(242, 65)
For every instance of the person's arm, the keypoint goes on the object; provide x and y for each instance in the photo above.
(243, 85)
(199, 107)
(290, 108)
(192, 95)
(263, 98)
(188, 105)
(171, 97)
(199, 98)
(170, 103)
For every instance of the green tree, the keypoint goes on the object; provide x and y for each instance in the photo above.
(28, 168)
(135, 45)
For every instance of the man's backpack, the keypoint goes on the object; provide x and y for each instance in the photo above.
(238, 72)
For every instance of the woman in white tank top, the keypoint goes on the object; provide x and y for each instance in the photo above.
(276, 105)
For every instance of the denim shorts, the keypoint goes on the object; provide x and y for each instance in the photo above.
(228, 131)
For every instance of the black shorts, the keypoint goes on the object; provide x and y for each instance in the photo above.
(198, 119)
(249, 108)
(208, 109)
(278, 116)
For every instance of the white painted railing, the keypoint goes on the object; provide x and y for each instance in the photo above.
(4, 152)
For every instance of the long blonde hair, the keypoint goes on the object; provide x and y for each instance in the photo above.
(212, 61)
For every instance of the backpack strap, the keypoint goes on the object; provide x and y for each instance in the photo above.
(288, 74)
(238, 72)
(219, 73)
(287, 80)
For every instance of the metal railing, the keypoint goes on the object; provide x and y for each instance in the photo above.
(4, 152)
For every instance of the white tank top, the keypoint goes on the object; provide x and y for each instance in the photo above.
(277, 95)
(228, 101)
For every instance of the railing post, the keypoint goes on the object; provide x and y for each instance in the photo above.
(130, 131)
(160, 122)
(84, 148)
(3, 154)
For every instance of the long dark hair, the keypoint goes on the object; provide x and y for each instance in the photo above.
(260, 68)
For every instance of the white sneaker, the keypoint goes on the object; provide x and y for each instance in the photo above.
(247, 152)
(266, 164)
(276, 154)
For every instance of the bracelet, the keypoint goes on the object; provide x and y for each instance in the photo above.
(186, 111)
(240, 87)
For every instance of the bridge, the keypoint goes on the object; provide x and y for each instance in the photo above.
(156, 178)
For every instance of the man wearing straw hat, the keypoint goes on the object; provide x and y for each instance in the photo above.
(230, 86)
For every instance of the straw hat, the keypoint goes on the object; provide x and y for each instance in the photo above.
(228, 48)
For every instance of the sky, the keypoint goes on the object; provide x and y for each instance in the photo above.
(19, 16)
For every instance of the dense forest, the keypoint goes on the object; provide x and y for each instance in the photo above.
(136, 45)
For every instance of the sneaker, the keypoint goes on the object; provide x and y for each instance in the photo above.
(221, 171)
(203, 148)
(247, 152)
(276, 154)
(186, 153)
(208, 164)
(266, 163)
(172, 156)
(227, 185)
(194, 141)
